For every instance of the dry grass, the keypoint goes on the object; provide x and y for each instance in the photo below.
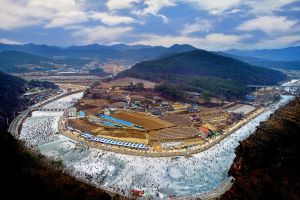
(173, 134)
(146, 121)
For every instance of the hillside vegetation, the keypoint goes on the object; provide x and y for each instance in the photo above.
(18, 62)
(29, 175)
(267, 163)
(201, 70)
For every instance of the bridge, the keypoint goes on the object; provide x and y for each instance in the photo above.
(15, 124)
(51, 109)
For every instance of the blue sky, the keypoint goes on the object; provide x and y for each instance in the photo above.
(206, 24)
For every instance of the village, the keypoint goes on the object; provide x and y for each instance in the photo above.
(128, 115)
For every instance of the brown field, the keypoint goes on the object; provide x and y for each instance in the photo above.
(109, 67)
(91, 106)
(118, 134)
(173, 134)
(125, 81)
(177, 120)
(146, 121)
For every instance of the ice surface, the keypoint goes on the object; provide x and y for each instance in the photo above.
(163, 176)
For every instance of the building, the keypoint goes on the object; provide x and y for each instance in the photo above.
(81, 114)
(180, 107)
(210, 127)
(155, 111)
(204, 131)
(71, 112)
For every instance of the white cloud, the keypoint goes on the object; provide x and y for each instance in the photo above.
(278, 42)
(64, 19)
(266, 7)
(110, 19)
(120, 4)
(100, 34)
(199, 25)
(218, 7)
(153, 7)
(214, 7)
(9, 41)
(268, 24)
(54, 13)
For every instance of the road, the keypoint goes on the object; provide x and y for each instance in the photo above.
(15, 124)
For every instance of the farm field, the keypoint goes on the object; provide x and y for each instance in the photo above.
(146, 121)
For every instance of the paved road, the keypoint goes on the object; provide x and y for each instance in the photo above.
(15, 124)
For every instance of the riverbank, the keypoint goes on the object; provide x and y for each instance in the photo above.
(266, 164)
(159, 177)
(167, 153)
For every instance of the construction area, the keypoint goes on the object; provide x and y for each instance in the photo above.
(129, 113)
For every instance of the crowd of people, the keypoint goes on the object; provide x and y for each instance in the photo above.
(157, 176)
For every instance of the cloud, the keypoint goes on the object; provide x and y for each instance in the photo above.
(214, 41)
(9, 41)
(266, 7)
(268, 24)
(54, 13)
(120, 4)
(218, 7)
(214, 7)
(64, 19)
(153, 7)
(109, 19)
(199, 25)
(277, 42)
(100, 34)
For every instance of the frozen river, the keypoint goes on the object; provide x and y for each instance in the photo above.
(159, 177)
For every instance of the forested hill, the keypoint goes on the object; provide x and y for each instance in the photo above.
(18, 62)
(204, 63)
(202, 69)
(267, 163)
(29, 175)
(11, 88)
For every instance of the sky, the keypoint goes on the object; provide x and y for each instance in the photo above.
(206, 24)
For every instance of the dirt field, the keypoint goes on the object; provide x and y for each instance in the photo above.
(91, 106)
(117, 134)
(127, 80)
(146, 121)
(178, 120)
(173, 134)
(110, 67)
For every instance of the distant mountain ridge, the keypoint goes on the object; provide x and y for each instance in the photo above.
(261, 62)
(17, 61)
(131, 53)
(284, 54)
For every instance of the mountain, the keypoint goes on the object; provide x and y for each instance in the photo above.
(11, 88)
(129, 53)
(267, 163)
(285, 54)
(18, 62)
(204, 63)
(287, 65)
(13, 61)
(203, 70)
